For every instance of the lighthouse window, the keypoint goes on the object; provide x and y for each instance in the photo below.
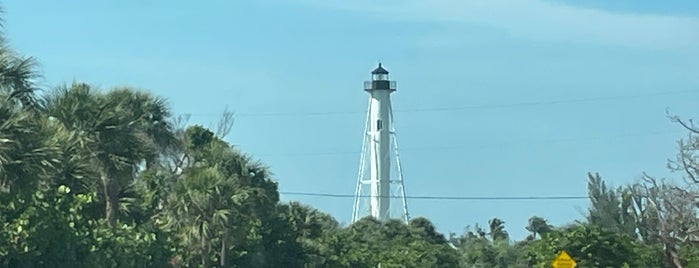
(378, 124)
(380, 77)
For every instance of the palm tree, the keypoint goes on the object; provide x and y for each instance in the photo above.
(17, 75)
(199, 210)
(111, 129)
(154, 121)
(497, 230)
(26, 146)
(24, 143)
(219, 181)
(538, 226)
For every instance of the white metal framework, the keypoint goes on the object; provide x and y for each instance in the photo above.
(380, 152)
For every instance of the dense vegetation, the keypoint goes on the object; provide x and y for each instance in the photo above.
(92, 178)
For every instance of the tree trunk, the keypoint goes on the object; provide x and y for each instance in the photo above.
(204, 246)
(111, 196)
(224, 250)
(672, 258)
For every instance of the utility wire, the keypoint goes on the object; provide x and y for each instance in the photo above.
(479, 146)
(458, 108)
(444, 197)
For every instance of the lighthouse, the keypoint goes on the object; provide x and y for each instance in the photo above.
(384, 185)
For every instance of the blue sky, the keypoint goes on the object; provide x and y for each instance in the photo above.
(292, 71)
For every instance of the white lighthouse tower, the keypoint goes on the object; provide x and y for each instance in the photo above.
(379, 152)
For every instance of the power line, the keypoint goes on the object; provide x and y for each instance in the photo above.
(537, 103)
(444, 197)
(459, 108)
(479, 146)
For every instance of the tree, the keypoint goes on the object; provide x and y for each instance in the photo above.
(668, 216)
(538, 227)
(610, 209)
(497, 230)
(113, 131)
(24, 140)
(686, 160)
(591, 246)
(200, 211)
(479, 251)
(657, 214)
(221, 199)
(307, 237)
(17, 76)
(369, 242)
(152, 117)
(25, 146)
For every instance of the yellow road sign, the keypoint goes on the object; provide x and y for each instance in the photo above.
(563, 260)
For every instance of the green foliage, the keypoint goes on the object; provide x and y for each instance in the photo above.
(300, 237)
(52, 232)
(479, 248)
(43, 230)
(126, 245)
(538, 227)
(592, 246)
(690, 252)
(368, 243)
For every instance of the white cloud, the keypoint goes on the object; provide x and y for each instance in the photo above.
(539, 20)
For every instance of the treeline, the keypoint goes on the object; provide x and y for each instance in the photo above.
(92, 178)
(645, 224)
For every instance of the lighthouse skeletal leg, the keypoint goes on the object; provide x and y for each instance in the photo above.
(401, 186)
(362, 160)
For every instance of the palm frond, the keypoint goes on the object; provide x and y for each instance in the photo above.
(17, 78)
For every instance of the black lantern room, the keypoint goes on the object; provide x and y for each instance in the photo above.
(379, 80)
